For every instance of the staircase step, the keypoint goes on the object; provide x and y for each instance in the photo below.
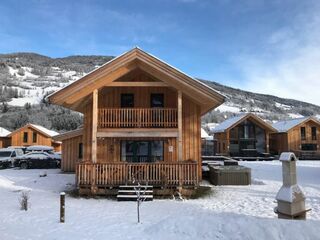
(135, 186)
(133, 197)
(134, 191)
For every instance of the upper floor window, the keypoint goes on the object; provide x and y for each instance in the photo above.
(303, 133)
(80, 152)
(34, 137)
(25, 137)
(157, 100)
(127, 100)
(314, 133)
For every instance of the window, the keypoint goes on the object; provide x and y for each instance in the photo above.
(80, 153)
(303, 133)
(309, 147)
(34, 137)
(127, 100)
(25, 137)
(314, 133)
(157, 100)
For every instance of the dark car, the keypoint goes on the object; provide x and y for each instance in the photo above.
(37, 160)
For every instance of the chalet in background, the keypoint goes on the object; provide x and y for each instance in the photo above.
(300, 136)
(245, 135)
(141, 123)
(4, 139)
(32, 134)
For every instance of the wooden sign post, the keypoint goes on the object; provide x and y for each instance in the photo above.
(62, 207)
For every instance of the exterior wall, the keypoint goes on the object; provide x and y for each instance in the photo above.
(70, 153)
(191, 132)
(17, 139)
(5, 142)
(222, 143)
(278, 143)
(291, 141)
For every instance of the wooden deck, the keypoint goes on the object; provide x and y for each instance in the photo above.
(138, 118)
(156, 174)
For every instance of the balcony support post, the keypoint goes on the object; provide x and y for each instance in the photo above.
(180, 157)
(94, 125)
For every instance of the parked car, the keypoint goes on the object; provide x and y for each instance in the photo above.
(19, 147)
(47, 149)
(37, 160)
(8, 156)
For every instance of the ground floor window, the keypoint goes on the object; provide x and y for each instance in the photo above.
(309, 147)
(141, 151)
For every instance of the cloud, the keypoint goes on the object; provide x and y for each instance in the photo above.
(289, 65)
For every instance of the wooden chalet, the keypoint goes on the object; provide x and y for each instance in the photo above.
(4, 139)
(245, 135)
(300, 136)
(32, 134)
(141, 123)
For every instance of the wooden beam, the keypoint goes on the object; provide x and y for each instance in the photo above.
(137, 84)
(138, 132)
(180, 153)
(94, 125)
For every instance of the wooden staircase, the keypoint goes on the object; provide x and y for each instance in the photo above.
(131, 192)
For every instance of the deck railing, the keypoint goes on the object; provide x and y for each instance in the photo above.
(157, 174)
(138, 118)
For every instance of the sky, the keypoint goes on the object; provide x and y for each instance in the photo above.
(265, 46)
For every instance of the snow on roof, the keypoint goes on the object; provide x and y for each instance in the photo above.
(45, 130)
(285, 126)
(4, 132)
(204, 134)
(228, 123)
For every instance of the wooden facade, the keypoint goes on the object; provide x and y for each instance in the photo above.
(32, 134)
(141, 122)
(5, 142)
(245, 135)
(301, 137)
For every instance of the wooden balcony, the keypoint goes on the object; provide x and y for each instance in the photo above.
(137, 118)
(156, 174)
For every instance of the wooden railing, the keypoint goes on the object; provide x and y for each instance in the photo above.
(157, 174)
(138, 118)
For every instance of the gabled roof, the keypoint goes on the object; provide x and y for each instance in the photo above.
(72, 95)
(285, 126)
(233, 121)
(69, 134)
(45, 131)
(4, 132)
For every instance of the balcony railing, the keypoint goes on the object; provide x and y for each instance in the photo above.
(138, 118)
(157, 174)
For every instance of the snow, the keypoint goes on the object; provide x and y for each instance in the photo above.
(45, 130)
(295, 115)
(20, 102)
(227, 108)
(284, 126)
(204, 134)
(228, 123)
(287, 156)
(289, 193)
(228, 212)
(283, 106)
(4, 132)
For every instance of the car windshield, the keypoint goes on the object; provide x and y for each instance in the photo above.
(5, 153)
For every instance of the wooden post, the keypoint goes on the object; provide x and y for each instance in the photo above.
(62, 207)
(267, 142)
(94, 125)
(180, 126)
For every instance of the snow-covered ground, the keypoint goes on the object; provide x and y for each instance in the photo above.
(229, 212)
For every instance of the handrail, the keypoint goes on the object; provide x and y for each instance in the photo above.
(137, 117)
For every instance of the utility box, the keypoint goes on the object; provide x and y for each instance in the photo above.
(230, 175)
(290, 198)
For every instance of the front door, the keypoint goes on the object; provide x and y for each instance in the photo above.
(141, 151)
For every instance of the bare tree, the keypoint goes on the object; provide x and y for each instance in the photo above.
(24, 200)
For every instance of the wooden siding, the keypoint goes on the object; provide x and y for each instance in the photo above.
(17, 139)
(5, 142)
(291, 141)
(70, 153)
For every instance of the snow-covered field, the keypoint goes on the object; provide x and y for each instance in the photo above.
(229, 212)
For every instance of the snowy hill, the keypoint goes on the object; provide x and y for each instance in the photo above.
(27, 77)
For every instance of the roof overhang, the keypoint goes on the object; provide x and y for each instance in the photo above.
(68, 135)
(74, 95)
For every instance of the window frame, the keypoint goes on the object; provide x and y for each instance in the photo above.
(34, 137)
(303, 134)
(25, 137)
(314, 133)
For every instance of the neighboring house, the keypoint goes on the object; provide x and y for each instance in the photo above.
(208, 145)
(300, 135)
(32, 134)
(4, 139)
(245, 135)
(142, 122)
(72, 149)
